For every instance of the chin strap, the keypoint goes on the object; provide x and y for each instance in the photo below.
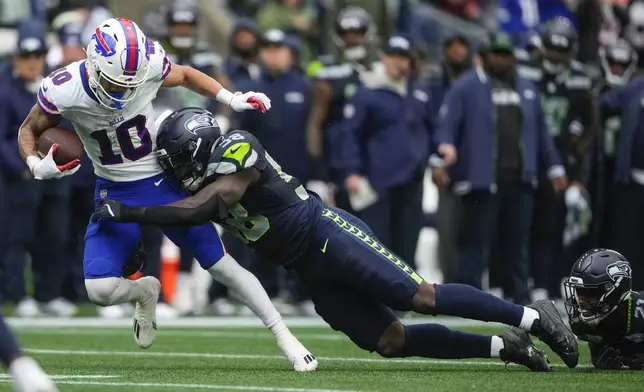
(115, 97)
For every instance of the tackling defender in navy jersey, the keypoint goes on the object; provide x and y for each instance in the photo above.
(605, 312)
(354, 281)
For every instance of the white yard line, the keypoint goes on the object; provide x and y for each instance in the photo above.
(271, 357)
(194, 386)
(185, 333)
(215, 322)
(68, 376)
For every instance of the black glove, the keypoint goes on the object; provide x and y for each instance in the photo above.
(610, 359)
(136, 262)
(114, 210)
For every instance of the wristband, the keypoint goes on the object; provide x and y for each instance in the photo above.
(224, 96)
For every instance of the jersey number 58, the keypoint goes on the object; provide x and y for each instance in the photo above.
(125, 136)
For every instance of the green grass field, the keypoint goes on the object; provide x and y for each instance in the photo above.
(247, 359)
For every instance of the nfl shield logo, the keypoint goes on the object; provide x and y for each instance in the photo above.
(103, 193)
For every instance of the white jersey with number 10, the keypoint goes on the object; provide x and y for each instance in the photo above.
(120, 143)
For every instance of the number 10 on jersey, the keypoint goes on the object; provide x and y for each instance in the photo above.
(124, 134)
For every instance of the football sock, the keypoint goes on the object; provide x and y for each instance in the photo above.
(529, 315)
(438, 341)
(465, 301)
(245, 286)
(496, 346)
(114, 291)
(8, 345)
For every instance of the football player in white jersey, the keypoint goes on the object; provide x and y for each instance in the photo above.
(107, 97)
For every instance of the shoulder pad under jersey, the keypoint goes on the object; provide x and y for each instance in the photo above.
(579, 78)
(522, 55)
(160, 65)
(529, 72)
(61, 90)
(206, 57)
(334, 72)
(233, 154)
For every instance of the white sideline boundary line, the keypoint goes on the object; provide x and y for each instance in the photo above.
(67, 376)
(194, 386)
(273, 357)
(216, 322)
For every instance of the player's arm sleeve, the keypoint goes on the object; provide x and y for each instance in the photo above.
(353, 126)
(160, 65)
(46, 98)
(209, 204)
(590, 120)
(10, 158)
(548, 157)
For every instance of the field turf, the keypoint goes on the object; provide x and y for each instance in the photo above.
(102, 358)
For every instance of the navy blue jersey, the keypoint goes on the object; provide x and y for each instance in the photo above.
(623, 329)
(564, 96)
(201, 58)
(611, 124)
(276, 214)
(344, 80)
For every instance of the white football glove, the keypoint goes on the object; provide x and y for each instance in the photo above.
(46, 168)
(250, 101)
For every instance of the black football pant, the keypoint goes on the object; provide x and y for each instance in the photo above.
(549, 261)
(626, 224)
(397, 218)
(3, 232)
(502, 218)
(37, 224)
(447, 220)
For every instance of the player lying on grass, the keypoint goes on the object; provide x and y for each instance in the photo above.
(108, 98)
(353, 280)
(605, 312)
(25, 373)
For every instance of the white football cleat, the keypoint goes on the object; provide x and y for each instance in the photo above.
(300, 358)
(60, 307)
(27, 376)
(145, 313)
(28, 308)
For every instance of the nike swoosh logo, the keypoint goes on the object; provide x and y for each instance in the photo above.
(235, 150)
(157, 183)
(324, 247)
(45, 89)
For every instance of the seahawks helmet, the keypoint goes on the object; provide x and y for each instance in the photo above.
(559, 42)
(599, 281)
(354, 33)
(618, 62)
(185, 141)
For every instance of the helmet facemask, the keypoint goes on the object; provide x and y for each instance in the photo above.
(111, 93)
(181, 167)
(618, 65)
(556, 59)
(186, 167)
(592, 303)
(353, 44)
